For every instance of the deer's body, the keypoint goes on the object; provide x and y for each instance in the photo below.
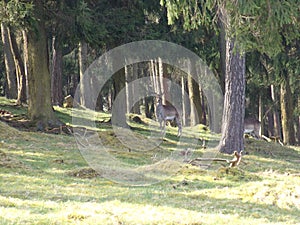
(252, 126)
(166, 113)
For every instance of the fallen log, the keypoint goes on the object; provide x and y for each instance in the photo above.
(237, 157)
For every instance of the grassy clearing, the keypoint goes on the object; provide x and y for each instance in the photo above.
(44, 179)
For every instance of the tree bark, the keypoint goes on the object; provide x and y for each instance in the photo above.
(222, 47)
(128, 70)
(232, 138)
(39, 107)
(56, 76)
(287, 118)
(137, 69)
(277, 125)
(120, 111)
(11, 81)
(261, 114)
(20, 69)
(85, 83)
(183, 93)
(232, 132)
(194, 116)
(298, 120)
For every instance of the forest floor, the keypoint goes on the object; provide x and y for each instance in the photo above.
(45, 179)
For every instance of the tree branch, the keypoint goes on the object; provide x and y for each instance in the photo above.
(237, 157)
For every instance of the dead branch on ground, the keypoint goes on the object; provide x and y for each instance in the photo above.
(237, 157)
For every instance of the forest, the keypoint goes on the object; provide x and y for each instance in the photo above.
(149, 106)
(47, 47)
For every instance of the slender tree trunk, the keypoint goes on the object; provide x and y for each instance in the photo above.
(183, 93)
(120, 112)
(128, 75)
(287, 118)
(39, 82)
(194, 101)
(25, 55)
(154, 76)
(222, 47)
(261, 114)
(11, 81)
(20, 70)
(298, 129)
(85, 83)
(149, 108)
(232, 138)
(137, 69)
(298, 120)
(203, 110)
(277, 124)
(56, 76)
(270, 124)
(74, 80)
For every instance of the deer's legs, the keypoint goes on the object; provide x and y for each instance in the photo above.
(162, 126)
(178, 122)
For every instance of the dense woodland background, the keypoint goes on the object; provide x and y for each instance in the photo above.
(47, 45)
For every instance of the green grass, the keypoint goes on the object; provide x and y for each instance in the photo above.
(44, 179)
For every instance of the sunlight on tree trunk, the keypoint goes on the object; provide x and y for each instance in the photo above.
(11, 82)
(56, 73)
(20, 70)
(277, 125)
(39, 107)
(232, 133)
(232, 138)
(84, 82)
(287, 118)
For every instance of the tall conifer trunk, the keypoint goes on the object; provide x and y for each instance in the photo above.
(287, 118)
(11, 81)
(20, 69)
(56, 73)
(39, 107)
(232, 137)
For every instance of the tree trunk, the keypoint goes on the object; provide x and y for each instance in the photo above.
(194, 116)
(137, 69)
(232, 132)
(85, 83)
(119, 112)
(149, 107)
(298, 129)
(11, 81)
(128, 70)
(39, 107)
(232, 138)
(203, 110)
(183, 93)
(20, 70)
(261, 114)
(56, 76)
(222, 47)
(287, 118)
(298, 120)
(277, 125)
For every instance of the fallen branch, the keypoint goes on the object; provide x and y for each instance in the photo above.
(232, 163)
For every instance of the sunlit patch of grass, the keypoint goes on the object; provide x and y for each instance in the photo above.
(53, 184)
(10, 105)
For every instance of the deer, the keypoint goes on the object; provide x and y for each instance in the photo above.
(166, 113)
(252, 127)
